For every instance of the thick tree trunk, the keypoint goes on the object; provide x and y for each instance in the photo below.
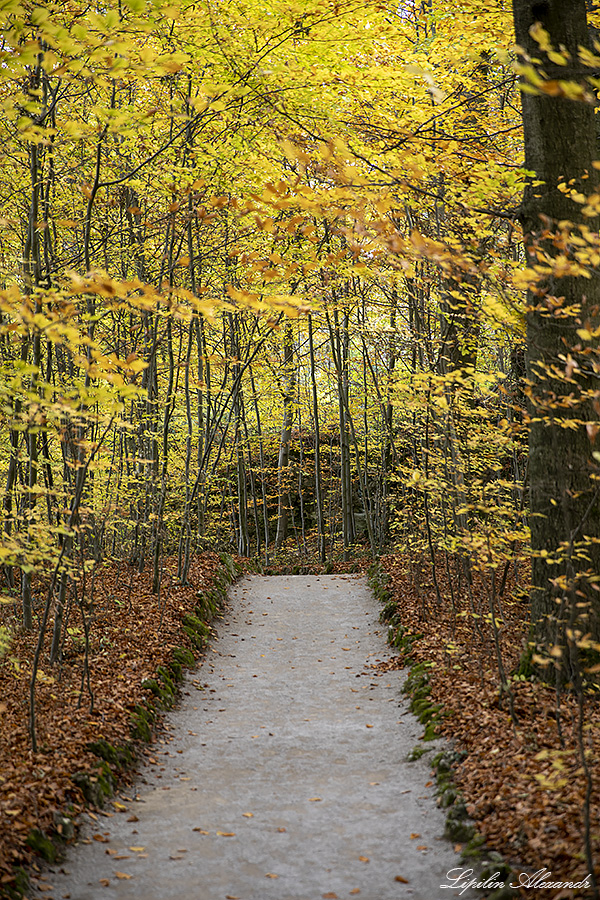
(560, 146)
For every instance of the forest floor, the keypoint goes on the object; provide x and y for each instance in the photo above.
(522, 776)
(523, 780)
(132, 633)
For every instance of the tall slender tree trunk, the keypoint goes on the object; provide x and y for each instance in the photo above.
(340, 347)
(283, 461)
(263, 474)
(318, 485)
(243, 540)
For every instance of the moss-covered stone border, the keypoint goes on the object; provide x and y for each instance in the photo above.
(98, 785)
(459, 828)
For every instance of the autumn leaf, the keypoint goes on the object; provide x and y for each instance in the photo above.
(123, 876)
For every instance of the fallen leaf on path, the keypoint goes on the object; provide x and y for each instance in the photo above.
(119, 806)
(133, 818)
(401, 879)
(122, 856)
(104, 882)
(314, 799)
(330, 896)
(200, 830)
(369, 726)
(248, 815)
(271, 875)
(137, 849)
(422, 847)
(364, 858)
(123, 876)
(414, 835)
(101, 838)
(231, 897)
(282, 830)
(226, 833)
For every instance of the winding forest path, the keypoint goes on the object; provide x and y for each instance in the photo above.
(282, 774)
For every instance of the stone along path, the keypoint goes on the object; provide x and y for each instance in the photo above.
(282, 774)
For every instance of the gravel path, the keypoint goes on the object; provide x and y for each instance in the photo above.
(282, 774)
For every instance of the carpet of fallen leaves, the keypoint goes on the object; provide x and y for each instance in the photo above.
(132, 632)
(523, 786)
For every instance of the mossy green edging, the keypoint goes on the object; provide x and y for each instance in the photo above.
(459, 827)
(99, 784)
(490, 865)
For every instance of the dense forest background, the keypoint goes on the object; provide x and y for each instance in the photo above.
(261, 284)
(276, 280)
